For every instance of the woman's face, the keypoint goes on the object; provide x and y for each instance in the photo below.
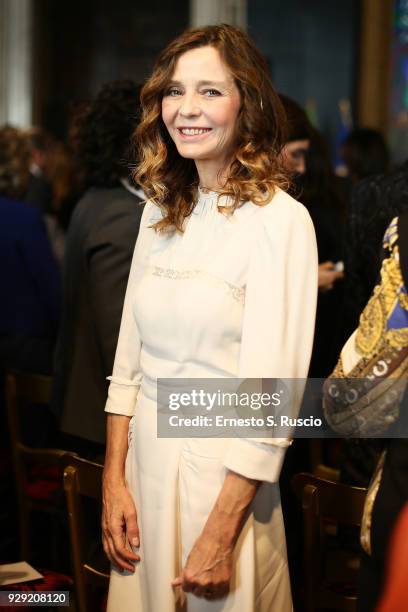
(293, 156)
(201, 105)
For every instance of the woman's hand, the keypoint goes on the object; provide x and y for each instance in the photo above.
(208, 570)
(119, 519)
(328, 275)
(119, 522)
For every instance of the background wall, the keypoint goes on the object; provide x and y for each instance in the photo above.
(80, 44)
(311, 47)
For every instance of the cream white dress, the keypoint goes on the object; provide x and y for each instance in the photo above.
(232, 296)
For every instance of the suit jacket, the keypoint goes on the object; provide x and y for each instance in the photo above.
(30, 308)
(99, 249)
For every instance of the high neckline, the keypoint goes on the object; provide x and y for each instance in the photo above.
(205, 194)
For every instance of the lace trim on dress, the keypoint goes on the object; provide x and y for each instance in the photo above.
(237, 293)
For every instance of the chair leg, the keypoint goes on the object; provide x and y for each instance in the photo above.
(25, 519)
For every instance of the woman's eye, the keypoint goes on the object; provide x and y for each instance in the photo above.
(173, 91)
(298, 154)
(210, 93)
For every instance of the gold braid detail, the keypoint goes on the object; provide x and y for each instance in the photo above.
(371, 333)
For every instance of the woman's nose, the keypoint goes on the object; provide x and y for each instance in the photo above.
(189, 106)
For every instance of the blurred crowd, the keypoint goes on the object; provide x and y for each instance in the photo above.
(70, 213)
(48, 177)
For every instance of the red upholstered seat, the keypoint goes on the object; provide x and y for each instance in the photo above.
(45, 472)
(43, 490)
(44, 484)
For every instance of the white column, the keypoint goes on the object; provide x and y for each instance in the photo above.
(16, 62)
(210, 12)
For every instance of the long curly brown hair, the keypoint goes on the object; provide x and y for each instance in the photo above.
(14, 162)
(171, 181)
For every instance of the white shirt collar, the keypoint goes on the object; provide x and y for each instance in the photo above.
(135, 190)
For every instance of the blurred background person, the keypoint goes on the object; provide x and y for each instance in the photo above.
(39, 192)
(98, 252)
(61, 172)
(379, 351)
(297, 140)
(375, 201)
(30, 308)
(322, 196)
(30, 304)
(365, 153)
(306, 157)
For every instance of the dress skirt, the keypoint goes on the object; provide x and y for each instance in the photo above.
(175, 483)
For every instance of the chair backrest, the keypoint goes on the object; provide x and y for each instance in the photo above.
(317, 462)
(29, 463)
(83, 479)
(20, 386)
(325, 501)
(36, 390)
(337, 502)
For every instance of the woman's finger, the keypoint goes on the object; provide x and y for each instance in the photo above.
(123, 557)
(107, 549)
(118, 560)
(132, 529)
(118, 537)
(112, 556)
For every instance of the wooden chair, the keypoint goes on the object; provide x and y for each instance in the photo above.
(83, 479)
(318, 464)
(330, 582)
(38, 472)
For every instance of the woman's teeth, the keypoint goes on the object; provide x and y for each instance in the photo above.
(194, 131)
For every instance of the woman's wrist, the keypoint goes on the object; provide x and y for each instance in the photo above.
(113, 478)
(116, 450)
(228, 515)
(223, 528)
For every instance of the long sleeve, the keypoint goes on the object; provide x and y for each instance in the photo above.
(126, 377)
(278, 326)
(34, 247)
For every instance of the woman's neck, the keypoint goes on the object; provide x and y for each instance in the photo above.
(212, 175)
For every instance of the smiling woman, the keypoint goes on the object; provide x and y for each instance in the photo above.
(201, 116)
(216, 81)
(223, 284)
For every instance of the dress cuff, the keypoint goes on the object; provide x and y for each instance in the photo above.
(255, 460)
(122, 398)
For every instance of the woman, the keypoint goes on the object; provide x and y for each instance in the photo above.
(223, 284)
(29, 313)
(297, 137)
(30, 308)
(305, 158)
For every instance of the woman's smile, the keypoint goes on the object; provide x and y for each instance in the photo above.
(193, 133)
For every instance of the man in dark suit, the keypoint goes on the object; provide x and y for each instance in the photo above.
(99, 249)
